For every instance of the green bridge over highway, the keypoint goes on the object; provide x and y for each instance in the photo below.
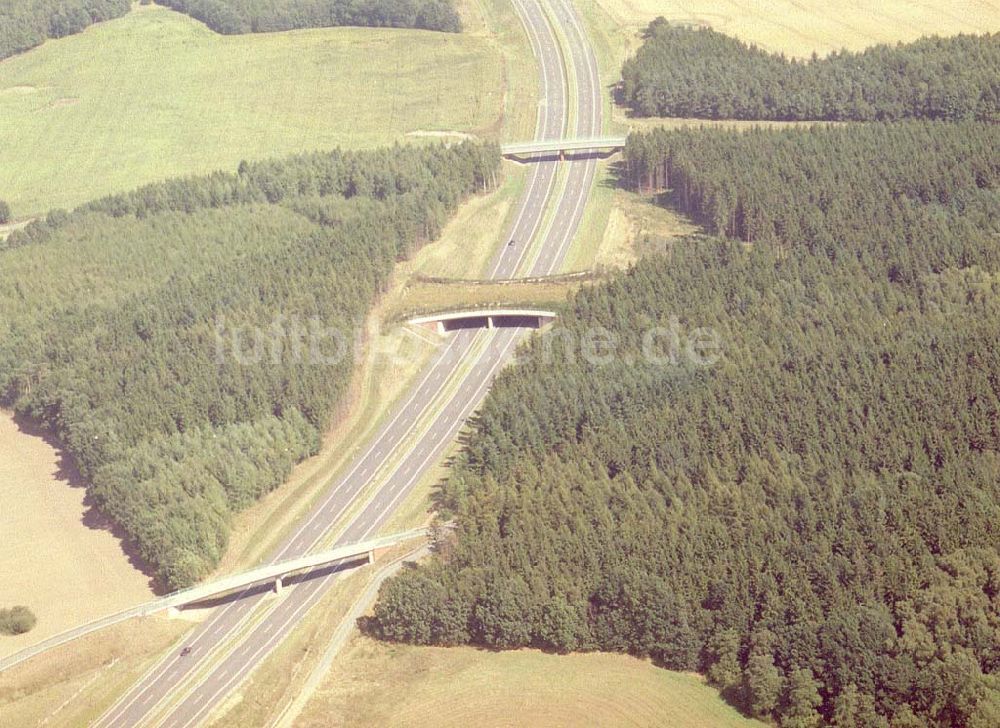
(562, 146)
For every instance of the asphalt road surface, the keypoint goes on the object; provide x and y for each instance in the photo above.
(237, 636)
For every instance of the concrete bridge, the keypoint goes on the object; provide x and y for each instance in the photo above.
(272, 574)
(485, 319)
(562, 146)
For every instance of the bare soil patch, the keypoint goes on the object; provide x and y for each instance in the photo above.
(18, 90)
(440, 134)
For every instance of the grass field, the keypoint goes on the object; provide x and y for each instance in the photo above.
(799, 27)
(156, 94)
(58, 557)
(393, 685)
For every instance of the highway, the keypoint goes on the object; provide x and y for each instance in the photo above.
(182, 691)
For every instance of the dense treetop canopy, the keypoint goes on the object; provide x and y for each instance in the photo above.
(260, 16)
(25, 24)
(812, 520)
(685, 72)
(167, 335)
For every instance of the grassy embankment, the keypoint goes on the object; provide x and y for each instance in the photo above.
(72, 684)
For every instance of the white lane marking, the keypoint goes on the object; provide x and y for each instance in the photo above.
(500, 359)
(386, 430)
(464, 410)
(252, 658)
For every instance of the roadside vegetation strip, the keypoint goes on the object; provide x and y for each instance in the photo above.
(585, 252)
(261, 534)
(341, 521)
(469, 242)
(288, 715)
(332, 464)
(505, 28)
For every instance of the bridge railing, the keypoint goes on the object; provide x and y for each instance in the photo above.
(220, 586)
(562, 145)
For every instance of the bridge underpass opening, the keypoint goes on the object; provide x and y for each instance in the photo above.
(517, 322)
(537, 157)
(473, 322)
(520, 318)
(493, 322)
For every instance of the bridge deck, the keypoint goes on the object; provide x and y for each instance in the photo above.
(562, 145)
(270, 572)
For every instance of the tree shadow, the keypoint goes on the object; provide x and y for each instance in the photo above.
(68, 472)
(567, 157)
(617, 179)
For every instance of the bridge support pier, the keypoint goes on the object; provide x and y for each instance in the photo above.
(489, 322)
(371, 557)
(278, 587)
(173, 612)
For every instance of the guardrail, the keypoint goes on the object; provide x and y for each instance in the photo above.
(562, 145)
(220, 586)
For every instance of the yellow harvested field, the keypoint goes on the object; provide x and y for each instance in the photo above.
(799, 27)
(59, 558)
(375, 684)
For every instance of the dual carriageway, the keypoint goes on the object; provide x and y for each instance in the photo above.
(182, 691)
